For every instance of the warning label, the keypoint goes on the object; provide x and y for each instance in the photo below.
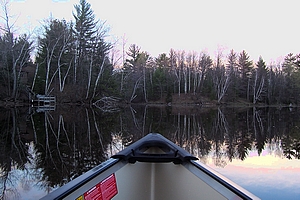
(105, 190)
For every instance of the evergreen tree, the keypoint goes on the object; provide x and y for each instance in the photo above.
(55, 57)
(245, 65)
(162, 77)
(292, 62)
(232, 67)
(289, 71)
(289, 64)
(204, 65)
(91, 50)
(85, 27)
(136, 71)
(245, 70)
(163, 61)
(259, 85)
(131, 63)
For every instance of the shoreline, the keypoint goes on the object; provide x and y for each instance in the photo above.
(206, 104)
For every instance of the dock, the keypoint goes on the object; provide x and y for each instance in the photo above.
(44, 103)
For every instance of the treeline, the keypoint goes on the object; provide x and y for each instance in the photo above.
(225, 78)
(75, 63)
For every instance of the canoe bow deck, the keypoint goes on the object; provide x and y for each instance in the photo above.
(151, 168)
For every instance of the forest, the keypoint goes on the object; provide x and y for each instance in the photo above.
(75, 62)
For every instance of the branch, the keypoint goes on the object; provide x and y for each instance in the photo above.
(107, 104)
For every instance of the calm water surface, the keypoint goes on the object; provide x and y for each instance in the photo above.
(258, 148)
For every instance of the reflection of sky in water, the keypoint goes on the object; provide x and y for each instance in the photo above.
(267, 176)
(22, 185)
(30, 191)
(25, 184)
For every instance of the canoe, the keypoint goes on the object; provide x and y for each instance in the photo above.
(151, 168)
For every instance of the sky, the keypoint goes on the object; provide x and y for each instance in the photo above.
(267, 28)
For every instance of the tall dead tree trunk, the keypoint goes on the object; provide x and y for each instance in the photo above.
(89, 78)
(98, 77)
(145, 88)
(136, 85)
(258, 87)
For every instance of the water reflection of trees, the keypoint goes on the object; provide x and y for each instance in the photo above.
(13, 148)
(234, 133)
(66, 144)
(291, 138)
(72, 143)
(62, 145)
(227, 133)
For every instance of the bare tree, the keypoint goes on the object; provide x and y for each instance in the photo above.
(17, 49)
(61, 61)
(179, 67)
(98, 77)
(124, 41)
(136, 85)
(172, 56)
(192, 61)
(259, 85)
(205, 62)
(55, 55)
(50, 48)
(89, 77)
(222, 77)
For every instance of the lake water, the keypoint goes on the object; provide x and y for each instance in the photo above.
(258, 148)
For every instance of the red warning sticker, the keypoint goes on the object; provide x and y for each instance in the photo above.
(105, 190)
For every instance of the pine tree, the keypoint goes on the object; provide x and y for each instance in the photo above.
(85, 27)
(259, 80)
(232, 67)
(245, 65)
(245, 69)
(289, 64)
(131, 62)
(91, 50)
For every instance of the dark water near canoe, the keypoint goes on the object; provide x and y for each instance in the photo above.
(258, 148)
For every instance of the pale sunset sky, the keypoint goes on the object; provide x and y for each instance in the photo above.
(269, 28)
